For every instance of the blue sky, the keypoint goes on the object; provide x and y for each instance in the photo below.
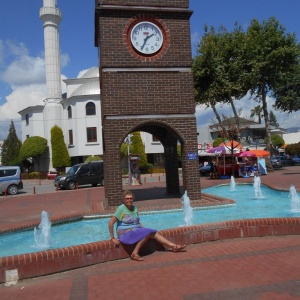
(22, 73)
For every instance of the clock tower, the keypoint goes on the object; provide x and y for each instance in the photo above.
(146, 85)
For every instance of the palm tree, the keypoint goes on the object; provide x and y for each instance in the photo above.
(257, 111)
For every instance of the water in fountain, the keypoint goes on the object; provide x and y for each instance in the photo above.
(257, 189)
(42, 234)
(295, 199)
(188, 210)
(232, 184)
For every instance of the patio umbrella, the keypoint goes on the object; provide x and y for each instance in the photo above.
(217, 150)
(246, 154)
(260, 153)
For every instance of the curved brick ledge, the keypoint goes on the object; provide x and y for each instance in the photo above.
(58, 260)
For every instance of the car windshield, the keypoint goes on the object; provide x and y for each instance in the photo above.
(73, 170)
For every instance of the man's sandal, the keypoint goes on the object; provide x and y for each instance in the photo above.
(136, 257)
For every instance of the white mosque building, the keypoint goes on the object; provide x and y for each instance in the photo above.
(78, 112)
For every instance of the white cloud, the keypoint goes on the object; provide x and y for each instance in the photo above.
(26, 77)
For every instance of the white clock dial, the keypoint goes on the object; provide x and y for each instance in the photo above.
(146, 37)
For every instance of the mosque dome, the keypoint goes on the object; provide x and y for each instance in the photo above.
(89, 88)
(91, 73)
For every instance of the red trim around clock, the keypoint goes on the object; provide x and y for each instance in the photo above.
(146, 57)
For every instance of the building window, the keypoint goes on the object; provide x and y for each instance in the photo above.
(91, 133)
(69, 112)
(27, 136)
(70, 137)
(90, 109)
(27, 119)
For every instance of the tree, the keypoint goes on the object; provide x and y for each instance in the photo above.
(11, 147)
(60, 154)
(34, 147)
(256, 111)
(273, 120)
(272, 55)
(293, 149)
(136, 146)
(218, 70)
(277, 141)
(287, 93)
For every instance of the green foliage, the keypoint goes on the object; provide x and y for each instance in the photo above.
(179, 156)
(156, 170)
(287, 93)
(93, 158)
(273, 120)
(218, 141)
(11, 148)
(60, 154)
(293, 149)
(34, 147)
(272, 56)
(277, 141)
(138, 148)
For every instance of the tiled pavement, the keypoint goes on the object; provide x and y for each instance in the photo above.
(252, 268)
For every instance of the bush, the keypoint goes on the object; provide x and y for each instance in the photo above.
(157, 170)
(34, 175)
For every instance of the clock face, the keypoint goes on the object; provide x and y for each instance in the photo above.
(146, 38)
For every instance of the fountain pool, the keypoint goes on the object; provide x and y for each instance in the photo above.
(272, 204)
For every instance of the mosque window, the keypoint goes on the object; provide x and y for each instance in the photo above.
(91, 133)
(90, 109)
(69, 112)
(27, 119)
(70, 137)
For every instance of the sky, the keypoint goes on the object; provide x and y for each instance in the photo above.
(22, 68)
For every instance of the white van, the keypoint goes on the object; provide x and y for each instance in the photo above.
(10, 180)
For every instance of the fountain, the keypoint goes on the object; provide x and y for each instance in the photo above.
(42, 234)
(257, 189)
(295, 199)
(232, 184)
(188, 210)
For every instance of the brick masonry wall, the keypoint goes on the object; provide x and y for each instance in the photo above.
(165, 3)
(147, 93)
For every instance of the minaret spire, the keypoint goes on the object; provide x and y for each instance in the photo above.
(51, 16)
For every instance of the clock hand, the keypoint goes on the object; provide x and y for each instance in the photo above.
(146, 39)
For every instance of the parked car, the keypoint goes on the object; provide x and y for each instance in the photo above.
(205, 170)
(285, 161)
(10, 180)
(296, 160)
(81, 174)
(276, 163)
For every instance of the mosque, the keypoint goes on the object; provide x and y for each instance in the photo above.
(78, 111)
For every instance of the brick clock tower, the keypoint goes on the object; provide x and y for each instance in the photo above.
(147, 85)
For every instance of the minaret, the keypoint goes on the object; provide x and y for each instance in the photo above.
(51, 16)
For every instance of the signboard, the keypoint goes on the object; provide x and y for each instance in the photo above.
(192, 156)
